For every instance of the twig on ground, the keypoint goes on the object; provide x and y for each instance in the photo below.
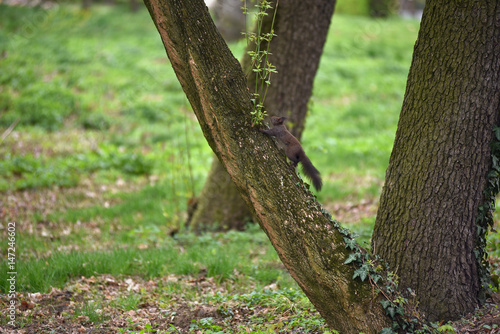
(7, 132)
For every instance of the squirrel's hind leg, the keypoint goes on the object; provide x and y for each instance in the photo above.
(294, 162)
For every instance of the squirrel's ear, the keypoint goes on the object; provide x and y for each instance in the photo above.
(283, 118)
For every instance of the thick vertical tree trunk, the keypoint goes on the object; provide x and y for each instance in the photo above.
(309, 244)
(301, 28)
(425, 225)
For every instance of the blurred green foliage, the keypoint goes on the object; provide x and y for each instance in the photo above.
(352, 7)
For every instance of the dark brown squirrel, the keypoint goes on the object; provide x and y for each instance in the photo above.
(294, 150)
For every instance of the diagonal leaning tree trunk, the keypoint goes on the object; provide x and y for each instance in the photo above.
(301, 28)
(426, 223)
(308, 243)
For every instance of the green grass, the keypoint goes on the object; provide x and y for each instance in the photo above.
(215, 256)
(92, 311)
(67, 75)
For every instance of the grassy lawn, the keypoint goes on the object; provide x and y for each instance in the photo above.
(100, 153)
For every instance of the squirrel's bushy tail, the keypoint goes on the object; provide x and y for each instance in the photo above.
(311, 172)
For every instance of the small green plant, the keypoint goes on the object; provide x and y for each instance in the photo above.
(260, 64)
(128, 303)
(225, 311)
(205, 323)
(92, 310)
(148, 328)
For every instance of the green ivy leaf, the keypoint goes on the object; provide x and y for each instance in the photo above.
(391, 312)
(385, 303)
(494, 161)
(350, 243)
(497, 132)
(376, 277)
(352, 257)
(362, 273)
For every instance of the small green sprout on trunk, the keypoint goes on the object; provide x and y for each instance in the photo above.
(260, 65)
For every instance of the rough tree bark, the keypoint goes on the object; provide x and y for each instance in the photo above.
(309, 245)
(425, 225)
(301, 28)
